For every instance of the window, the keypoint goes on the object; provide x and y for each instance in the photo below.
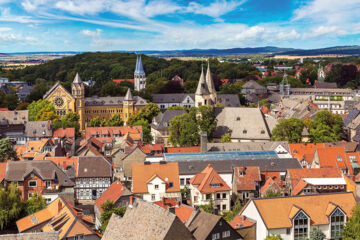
(339, 158)
(224, 207)
(218, 196)
(156, 186)
(32, 183)
(187, 181)
(195, 198)
(79, 237)
(300, 226)
(337, 224)
(215, 236)
(226, 234)
(330, 187)
(153, 197)
(208, 196)
(47, 184)
(182, 181)
(245, 195)
(288, 230)
(218, 207)
(352, 159)
(224, 195)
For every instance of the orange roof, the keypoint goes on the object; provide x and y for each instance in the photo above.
(296, 174)
(270, 184)
(20, 149)
(328, 157)
(304, 151)
(2, 171)
(113, 193)
(183, 212)
(246, 177)
(298, 187)
(141, 173)
(350, 157)
(123, 80)
(315, 206)
(64, 132)
(29, 155)
(182, 149)
(40, 156)
(36, 146)
(148, 148)
(209, 181)
(241, 222)
(97, 131)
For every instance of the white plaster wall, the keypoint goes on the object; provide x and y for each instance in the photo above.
(157, 192)
(251, 212)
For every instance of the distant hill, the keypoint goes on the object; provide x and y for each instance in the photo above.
(3, 55)
(341, 50)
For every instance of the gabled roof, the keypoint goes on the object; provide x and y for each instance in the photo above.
(209, 181)
(113, 193)
(144, 221)
(162, 120)
(246, 177)
(183, 212)
(142, 172)
(315, 206)
(295, 175)
(270, 184)
(253, 85)
(94, 167)
(239, 222)
(304, 151)
(64, 132)
(334, 157)
(57, 84)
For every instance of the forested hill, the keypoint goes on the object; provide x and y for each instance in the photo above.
(102, 67)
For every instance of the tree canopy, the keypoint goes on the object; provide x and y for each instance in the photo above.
(351, 229)
(108, 209)
(326, 127)
(288, 130)
(11, 206)
(7, 151)
(147, 113)
(42, 110)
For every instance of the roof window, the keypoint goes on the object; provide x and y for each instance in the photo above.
(338, 157)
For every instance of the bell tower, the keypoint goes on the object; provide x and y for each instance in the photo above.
(78, 92)
(128, 105)
(139, 75)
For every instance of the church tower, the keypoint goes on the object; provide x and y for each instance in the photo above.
(139, 75)
(128, 105)
(202, 94)
(78, 92)
(321, 74)
(210, 84)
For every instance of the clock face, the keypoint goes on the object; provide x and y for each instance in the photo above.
(59, 101)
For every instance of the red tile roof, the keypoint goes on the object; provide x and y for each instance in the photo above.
(296, 174)
(270, 184)
(183, 212)
(246, 177)
(97, 132)
(123, 80)
(298, 187)
(328, 157)
(113, 193)
(304, 151)
(64, 132)
(4, 109)
(2, 171)
(182, 149)
(148, 148)
(209, 181)
(241, 222)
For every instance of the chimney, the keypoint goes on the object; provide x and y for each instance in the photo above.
(59, 206)
(67, 155)
(131, 200)
(203, 141)
(172, 210)
(79, 214)
(64, 164)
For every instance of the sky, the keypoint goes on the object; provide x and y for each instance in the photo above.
(133, 25)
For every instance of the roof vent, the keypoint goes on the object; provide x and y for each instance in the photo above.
(85, 169)
(272, 164)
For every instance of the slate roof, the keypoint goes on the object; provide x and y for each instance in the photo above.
(253, 85)
(246, 146)
(46, 170)
(171, 98)
(324, 91)
(226, 166)
(146, 221)
(111, 101)
(14, 117)
(35, 129)
(162, 120)
(93, 167)
(202, 88)
(229, 100)
(128, 96)
(241, 123)
(320, 84)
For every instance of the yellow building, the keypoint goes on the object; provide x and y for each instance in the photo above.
(91, 107)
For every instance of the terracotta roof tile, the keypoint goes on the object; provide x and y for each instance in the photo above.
(298, 187)
(64, 132)
(142, 172)
(246, 177)
(334, 157)
(295, 175)
(241, 222)
(304, 151)
(113, 193)
(270, 184)
(209, 181)
(182, 149)
(148, 148)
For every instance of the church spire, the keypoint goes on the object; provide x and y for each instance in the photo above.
(139, 67)
(128, 96)
(77, 79)
(209, 80)
(202, 87)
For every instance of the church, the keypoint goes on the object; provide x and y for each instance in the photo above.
(91, 107)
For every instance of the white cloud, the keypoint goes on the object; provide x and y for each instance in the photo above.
(5, 29)
(31, 5)
(82, 7)
(214, 9)
(6, 16)
(324, 30)
(90, 33)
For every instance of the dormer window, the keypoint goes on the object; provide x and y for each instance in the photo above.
(238, 119)
(338, 158)
(244, 131)
(215, 185)
(301, 226)
(352, 159)
(337, 222)
(262, 131)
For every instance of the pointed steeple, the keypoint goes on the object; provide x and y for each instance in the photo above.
(209, 80)
(139, 67)
(77, 79)
(137, 64)
(128, 96)
(202, 87)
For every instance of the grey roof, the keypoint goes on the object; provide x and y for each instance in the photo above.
(202, 88)
(162, 120)
(77, 79)
(320, 84)
(246, 146)
(45, 169)
(229, 100)
(24, 91)
(209, 80)
(351, 116)
(171, 98)
(146, 221)
(198, 156)
(103, 101)
(128, 96)
(241, 123)
(38, 129)
(14, 117)
(252, 84)
(349, 146)
(226, 166)
(94, 167)
(32, 236)
(324, 91)
(139, 67)
(202, 224)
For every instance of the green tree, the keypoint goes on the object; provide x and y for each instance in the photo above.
(326, 127)
(115, 121)
(205, 118)
(225, 138)
(146, 130)
(41, 109)
(108, 209)
(7, 151)
(10, 101)
(271, 193)
(209, 208)
(229, 216)
(351, 229)
(38, 92)
(34, 203)
(95, 122)
(288, 130)
(148, 113)
(273, 237)
(70, 120)
(316, 234)
(11, 206)
(184, 131)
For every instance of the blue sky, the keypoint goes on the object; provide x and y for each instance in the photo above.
(104, 25)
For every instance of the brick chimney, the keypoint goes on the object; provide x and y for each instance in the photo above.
(60, 206)
(203, 141)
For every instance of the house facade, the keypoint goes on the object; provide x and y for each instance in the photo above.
(246, 182)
